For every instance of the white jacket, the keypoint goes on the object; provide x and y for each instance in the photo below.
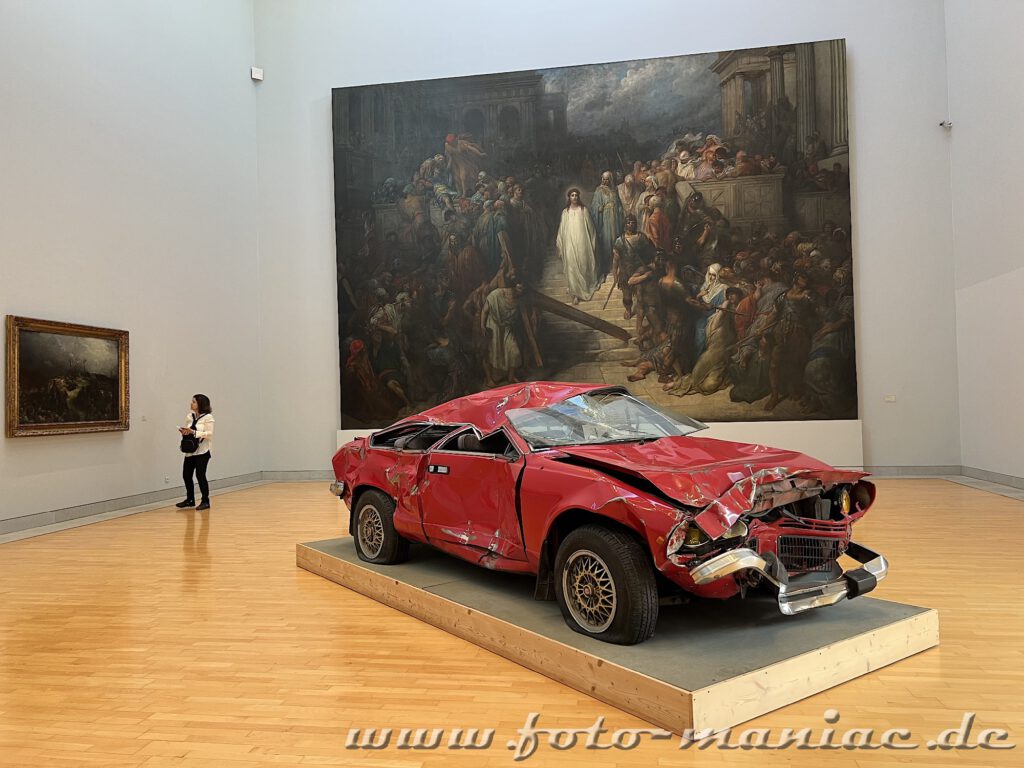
(204, 430)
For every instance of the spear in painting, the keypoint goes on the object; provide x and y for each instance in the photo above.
(610, 292)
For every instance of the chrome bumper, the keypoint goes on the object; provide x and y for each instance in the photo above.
(795, 598)
(337, 489)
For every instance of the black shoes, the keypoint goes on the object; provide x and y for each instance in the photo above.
(204, 504)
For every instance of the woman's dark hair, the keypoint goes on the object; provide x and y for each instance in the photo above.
(568, 197)
(204, 404)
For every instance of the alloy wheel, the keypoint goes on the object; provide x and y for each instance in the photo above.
(370, 531)
(589, 591)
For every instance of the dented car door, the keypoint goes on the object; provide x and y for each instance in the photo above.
(469, 500)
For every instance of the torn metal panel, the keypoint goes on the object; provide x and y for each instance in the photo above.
(463, 536)
(694, 471)
(764, 490)
(474, 497)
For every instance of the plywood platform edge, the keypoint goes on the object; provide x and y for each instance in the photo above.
(721, 705)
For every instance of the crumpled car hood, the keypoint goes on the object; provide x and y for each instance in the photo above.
(721, 479)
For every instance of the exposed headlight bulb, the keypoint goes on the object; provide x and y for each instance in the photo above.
(739, 528)
(845, 501)
(695, 536)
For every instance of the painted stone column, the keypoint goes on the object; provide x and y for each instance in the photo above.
(529, 131)
(840, 115)
(366, 115)
(492, 123)
(777, 76)
(806, 121)
(727, 114)
(732, 102)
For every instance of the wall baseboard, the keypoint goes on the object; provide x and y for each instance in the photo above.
(919, 471)
(298, 476)
(100, 508)
(994, 477)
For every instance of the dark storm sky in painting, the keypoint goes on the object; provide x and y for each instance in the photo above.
(680, 226)
(602, 97)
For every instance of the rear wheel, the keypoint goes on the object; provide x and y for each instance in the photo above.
(605, 585)
(377, 541)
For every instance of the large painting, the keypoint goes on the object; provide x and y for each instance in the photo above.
(64, 378)
(678, 225)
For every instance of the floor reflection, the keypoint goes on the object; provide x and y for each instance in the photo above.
(194, 547)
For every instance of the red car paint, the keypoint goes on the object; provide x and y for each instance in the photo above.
(503, 513)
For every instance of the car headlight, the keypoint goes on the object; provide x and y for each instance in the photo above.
(739, 528)
(695, 536)
(845, 501)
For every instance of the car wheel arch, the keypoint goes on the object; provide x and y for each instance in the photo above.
(560, 526)
(358, 491)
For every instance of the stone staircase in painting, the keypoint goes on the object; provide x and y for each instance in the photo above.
(575, 349)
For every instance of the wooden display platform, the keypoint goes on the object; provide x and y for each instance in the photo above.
(711, 664)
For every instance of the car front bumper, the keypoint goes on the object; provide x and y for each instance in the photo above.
(795, 597)
(338, 489)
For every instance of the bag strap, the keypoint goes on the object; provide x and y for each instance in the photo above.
(195, 420)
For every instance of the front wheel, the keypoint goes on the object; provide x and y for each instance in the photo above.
(377, 541)
(605, 585)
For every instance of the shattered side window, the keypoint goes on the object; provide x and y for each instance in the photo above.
(427, 437)
(386, 437)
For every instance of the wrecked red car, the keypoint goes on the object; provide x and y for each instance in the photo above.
(612, 504)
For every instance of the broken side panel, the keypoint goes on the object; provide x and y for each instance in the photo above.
(469, 499)
(403, 479)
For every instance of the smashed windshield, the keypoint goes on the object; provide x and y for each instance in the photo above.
(597, 418)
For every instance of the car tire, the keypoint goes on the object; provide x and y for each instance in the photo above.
(373, 528)
(605, 585)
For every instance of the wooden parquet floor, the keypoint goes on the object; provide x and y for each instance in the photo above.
(188, 639)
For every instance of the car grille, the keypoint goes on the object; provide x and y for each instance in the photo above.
(809, 553)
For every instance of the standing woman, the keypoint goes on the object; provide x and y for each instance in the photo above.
(200, 425)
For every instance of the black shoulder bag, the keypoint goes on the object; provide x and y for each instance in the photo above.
(190, 443)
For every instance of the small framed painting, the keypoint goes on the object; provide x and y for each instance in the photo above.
(64, 378)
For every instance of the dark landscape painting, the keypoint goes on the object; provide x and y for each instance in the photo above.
(64, 378)
(678, 225)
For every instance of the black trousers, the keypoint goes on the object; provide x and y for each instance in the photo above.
(196, 464)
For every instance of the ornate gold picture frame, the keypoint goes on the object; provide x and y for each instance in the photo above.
(64, 378)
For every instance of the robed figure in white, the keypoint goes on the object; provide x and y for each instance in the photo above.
(577, 247)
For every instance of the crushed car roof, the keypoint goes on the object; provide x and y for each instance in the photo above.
(486, 410)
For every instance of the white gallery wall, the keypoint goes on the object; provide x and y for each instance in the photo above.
(128, 200)
(987, 109)
(906, 328)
